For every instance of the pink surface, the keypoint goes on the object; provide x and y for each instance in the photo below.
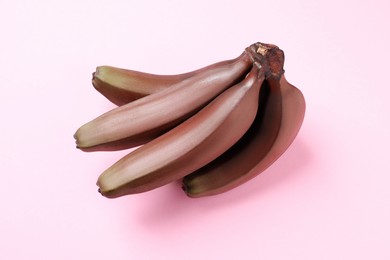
(328, 197)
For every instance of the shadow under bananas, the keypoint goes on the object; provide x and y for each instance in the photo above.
(168, 206)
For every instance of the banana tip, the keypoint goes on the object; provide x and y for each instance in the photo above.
(75, 136)
(108, 195)
(185, 188)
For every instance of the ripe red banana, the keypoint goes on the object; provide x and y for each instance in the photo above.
(268, 138)
(190, 145)
(122, 86)
(140, 121)
(200, 139)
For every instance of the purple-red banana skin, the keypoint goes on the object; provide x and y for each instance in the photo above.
(269, 137)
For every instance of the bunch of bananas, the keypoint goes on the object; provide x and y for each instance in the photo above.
(212, 129)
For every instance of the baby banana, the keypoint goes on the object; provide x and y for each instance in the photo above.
(190, 145)
(146, 118)
(268, 138)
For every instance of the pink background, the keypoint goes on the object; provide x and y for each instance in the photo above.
(328, 197)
